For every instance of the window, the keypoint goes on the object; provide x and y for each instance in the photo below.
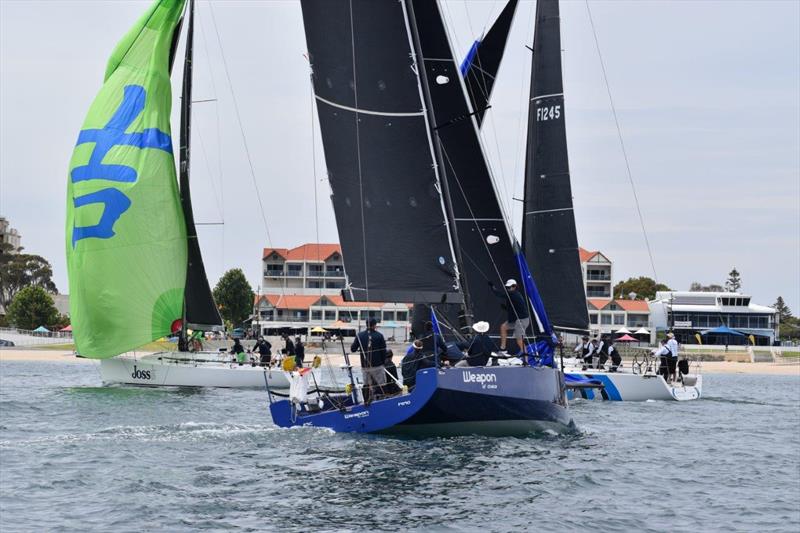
(314, 284)
(315, 270)
(294, 271)
(347, 316)
(605, 319)
(334, 284)
(402, 316)
(316, 315)
(330, 315)
(619, 320)
(388, 315)
(593, 318)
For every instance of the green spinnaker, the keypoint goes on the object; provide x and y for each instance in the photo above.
(126, 236)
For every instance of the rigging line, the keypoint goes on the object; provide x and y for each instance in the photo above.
(483, 151)
(358, 152)
(520, 154)
(477, 227)
(622, 143)
(241, 131)
(210, 174)
(314, 171)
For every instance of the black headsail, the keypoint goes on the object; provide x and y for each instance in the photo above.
(483, 61)
(485, 242)
(549, 237)
(199, 308)
(386, 194)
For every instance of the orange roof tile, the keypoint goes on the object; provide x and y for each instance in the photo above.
(585, 255)
(633, 305)
(291, 301)
(598, 303)
(306, 252)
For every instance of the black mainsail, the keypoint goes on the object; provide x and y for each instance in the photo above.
(200, 311)
(485, 243)
(549, 237)
(382, 168)
(480, 67)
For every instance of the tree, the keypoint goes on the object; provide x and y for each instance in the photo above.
(644, 287)
(789, 326)
(734, 282)
(32, 307)
(783, 310)
(699, 287)
(23, 270)
(234, 296)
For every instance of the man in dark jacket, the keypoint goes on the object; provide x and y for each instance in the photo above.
(480, 348)
(518, 318)
(299, 352)
(391, 386)
(415, 359)
(264, 351)
(372, 346)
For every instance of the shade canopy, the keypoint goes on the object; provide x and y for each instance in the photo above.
(68, 328)
(625, 338)
(41, 329)
(623, 330)
(642, 331)
(723, 330)
(319, 330)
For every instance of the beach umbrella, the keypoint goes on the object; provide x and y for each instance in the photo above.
(641, 331)
(625, 338)
(41, 329)
(723, 330)
(319, 330)
(68, 328)
(623, 331)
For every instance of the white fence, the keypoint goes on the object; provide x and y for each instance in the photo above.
(24, 337)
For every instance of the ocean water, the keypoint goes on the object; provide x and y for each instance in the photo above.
(75, 456)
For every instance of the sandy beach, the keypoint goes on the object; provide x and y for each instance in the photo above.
(709, 367)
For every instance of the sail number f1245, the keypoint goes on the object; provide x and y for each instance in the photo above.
(552, 112)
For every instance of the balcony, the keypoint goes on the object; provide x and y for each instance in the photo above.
(598, 277)
(597, 294)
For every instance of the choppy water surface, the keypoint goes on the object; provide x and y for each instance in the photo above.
(78, 456)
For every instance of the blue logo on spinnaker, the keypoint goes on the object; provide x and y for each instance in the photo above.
(114, 201)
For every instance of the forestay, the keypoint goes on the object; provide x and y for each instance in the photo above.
(485, 244)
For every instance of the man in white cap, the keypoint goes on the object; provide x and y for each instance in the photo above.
(518, 318)
(672, 357)
(480, 347)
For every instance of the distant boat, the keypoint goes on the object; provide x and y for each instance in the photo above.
(404, 157)
(549, 236)
(135, 268)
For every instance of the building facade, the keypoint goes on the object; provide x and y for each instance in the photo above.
(301, 290)
(689, 314)
(310, 269)
(597, 274)
(607, 315)
(9, 235)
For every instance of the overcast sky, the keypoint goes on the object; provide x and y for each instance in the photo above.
(707, 94)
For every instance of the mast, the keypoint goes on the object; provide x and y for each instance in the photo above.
(549, 235)
(428, 102)
(199, 308)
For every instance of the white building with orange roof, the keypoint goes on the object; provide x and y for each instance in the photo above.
(607, 314)
(301, 289)
(597, 273)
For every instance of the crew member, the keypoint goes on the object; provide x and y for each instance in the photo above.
(264, 351)
(391, 386)
(672, 361)
(299, 352)
(372, 346)
(616, 358)
(413, 361)
(480, 348)
(518, 318)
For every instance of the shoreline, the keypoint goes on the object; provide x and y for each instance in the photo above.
(708, 367)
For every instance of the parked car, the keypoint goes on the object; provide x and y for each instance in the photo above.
(237, 333)
(6, 343)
